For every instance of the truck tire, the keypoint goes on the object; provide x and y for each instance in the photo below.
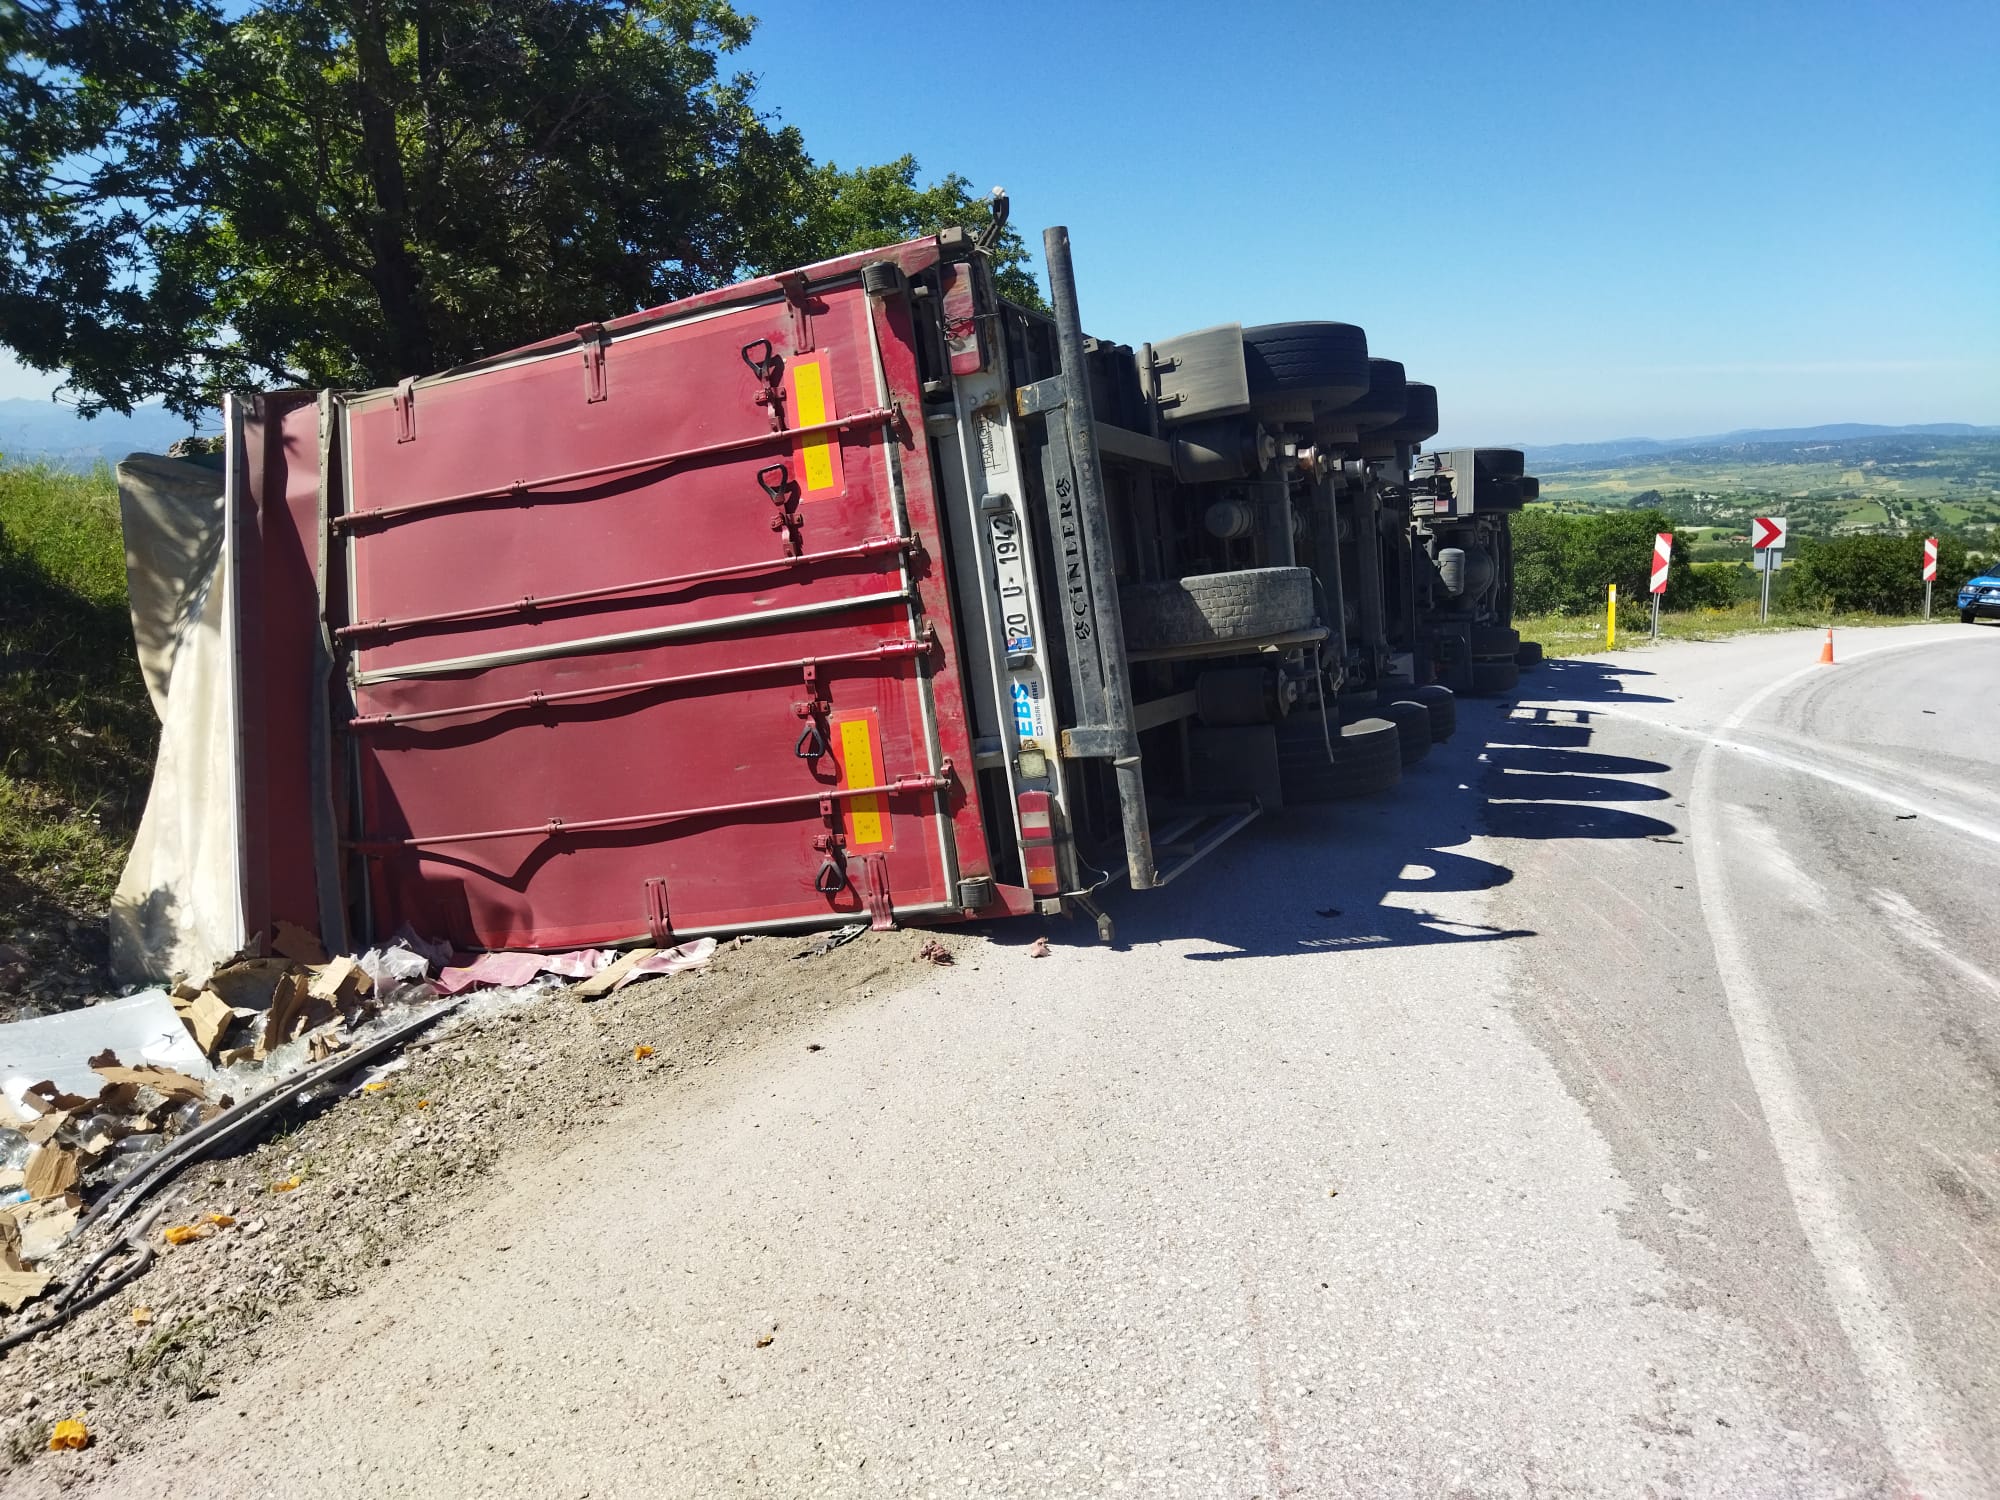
(1206, 609)
(1419, 422)
(1367, 758)
(1528, 654)
(1324, 363)
(1500, 463)
(1530, 487)
(1492, 678)
(1442, 705)
(1380, 407)
(1413, 728)
(1495, 640)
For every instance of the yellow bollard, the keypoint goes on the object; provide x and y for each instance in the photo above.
(1611, 621)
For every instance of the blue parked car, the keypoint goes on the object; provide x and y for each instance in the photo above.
(1980, 597)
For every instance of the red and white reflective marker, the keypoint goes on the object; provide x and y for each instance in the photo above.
(1768, 531)
(1930, 559)
(1663, 554)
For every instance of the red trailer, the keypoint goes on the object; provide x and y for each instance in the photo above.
(850, 592)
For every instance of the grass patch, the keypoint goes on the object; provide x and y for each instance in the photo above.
(77, 731)
(1583, 635)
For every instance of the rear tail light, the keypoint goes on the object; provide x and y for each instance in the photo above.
(1038, 852)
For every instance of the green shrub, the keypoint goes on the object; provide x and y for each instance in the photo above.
(1563, 563)
(1874, 574)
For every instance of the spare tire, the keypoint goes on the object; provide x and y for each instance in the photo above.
(1206, 609)
(1324, 363)
(1495, 640)
(1419, 422)
(1413, 727)
(1367, 758)
(1492, 678)
(1530, 487)
(1501, 463)
(1442, 703)
(1383, 404)
(1528, 654)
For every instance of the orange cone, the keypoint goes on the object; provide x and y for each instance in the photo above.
(1826, 651)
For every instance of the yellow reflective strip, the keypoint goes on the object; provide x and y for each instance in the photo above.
(857, 760)
(809, 392)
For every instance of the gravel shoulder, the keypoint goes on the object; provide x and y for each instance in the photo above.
(483, 1098)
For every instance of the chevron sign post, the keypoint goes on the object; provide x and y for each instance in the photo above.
(1930, 571)
(1663, 556)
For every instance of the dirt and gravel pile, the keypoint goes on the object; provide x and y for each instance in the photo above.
(309, 1213)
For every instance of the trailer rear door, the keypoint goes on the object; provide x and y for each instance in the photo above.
(646, 637)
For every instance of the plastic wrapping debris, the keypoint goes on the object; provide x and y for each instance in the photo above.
(396, 964)
(512, 970)
(839, 937)
(640, 962)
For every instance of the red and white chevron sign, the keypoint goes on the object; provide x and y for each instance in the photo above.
(1766, 532)
(1663, 553)
(1930, 559)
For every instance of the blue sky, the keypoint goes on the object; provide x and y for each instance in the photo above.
(1579, 222)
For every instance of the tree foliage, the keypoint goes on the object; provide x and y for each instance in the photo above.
(345, 192)
(1876, 574)
(1563, 563)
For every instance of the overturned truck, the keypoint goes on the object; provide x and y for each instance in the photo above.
(849, 593)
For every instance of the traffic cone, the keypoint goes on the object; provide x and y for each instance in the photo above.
(1826, 651)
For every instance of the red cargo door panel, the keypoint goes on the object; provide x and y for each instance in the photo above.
(645, 641)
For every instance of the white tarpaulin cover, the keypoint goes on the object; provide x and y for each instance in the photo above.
(178, 910)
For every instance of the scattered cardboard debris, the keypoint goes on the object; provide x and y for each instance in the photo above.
(19, 1288)
(169, 1083)
(248, 983)
(605, 980)
(51, 1171)
(208, 1018)
(11, 1258)
(300, 946)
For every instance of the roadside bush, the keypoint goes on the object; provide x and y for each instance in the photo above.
(1875, 574)
(1562, 563)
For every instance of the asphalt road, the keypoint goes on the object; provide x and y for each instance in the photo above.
(1612, 1111)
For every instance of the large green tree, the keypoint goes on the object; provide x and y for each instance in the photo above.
(345, 192)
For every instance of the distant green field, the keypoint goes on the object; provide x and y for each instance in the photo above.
(1886, 485)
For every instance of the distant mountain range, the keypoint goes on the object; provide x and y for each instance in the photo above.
(44, 432)
(1579, 455)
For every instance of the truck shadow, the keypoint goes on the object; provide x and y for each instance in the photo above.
(1360, 874)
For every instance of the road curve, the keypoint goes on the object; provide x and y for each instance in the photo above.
(1611, 1111)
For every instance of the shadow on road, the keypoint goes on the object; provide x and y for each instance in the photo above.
(1357, 875)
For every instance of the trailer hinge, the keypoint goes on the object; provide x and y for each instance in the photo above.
(595, 342)
(768, 366)
(832, 846)
(776, 482)
(659, 925)
(815, 740)
(405, 402)
(874, 891)
(794, 283)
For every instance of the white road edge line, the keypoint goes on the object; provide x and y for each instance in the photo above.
(1719, 740)
(1915, 1417)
